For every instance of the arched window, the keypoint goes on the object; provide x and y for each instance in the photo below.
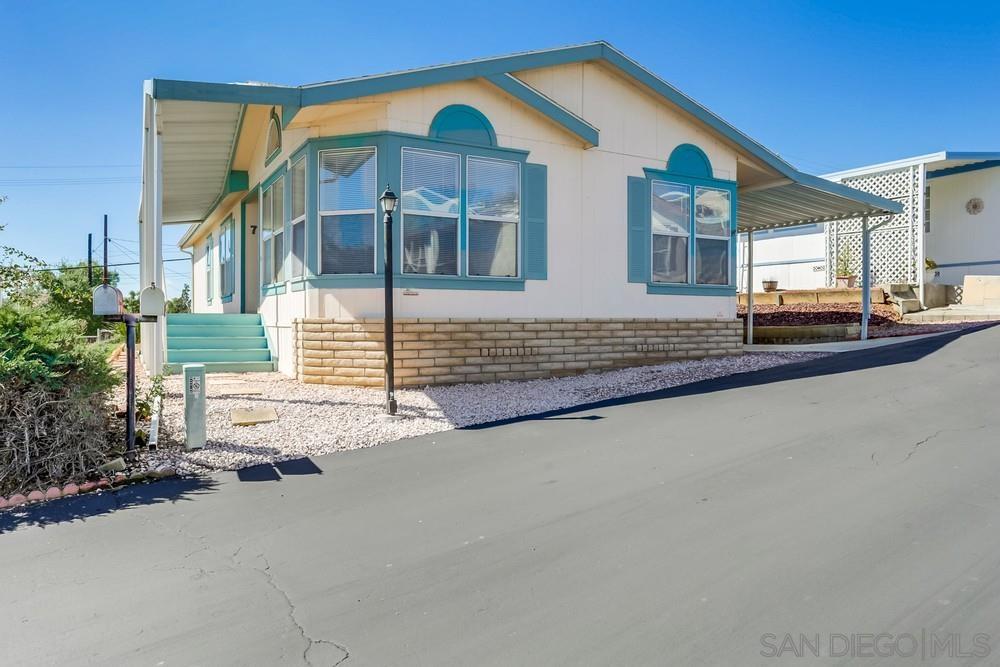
(464, 124)
(273, 137)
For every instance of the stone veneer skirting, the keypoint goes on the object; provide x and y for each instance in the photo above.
(448, 351)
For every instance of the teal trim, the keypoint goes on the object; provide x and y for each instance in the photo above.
(227, 299)
(689, 160)
(464, 124)
(962, 169)
(288, 112)
(542, 104)
(535, 222)
(234, 93)
(273, 124)
(239, 181)
(700, 290)
(638, 240)
(272, 290)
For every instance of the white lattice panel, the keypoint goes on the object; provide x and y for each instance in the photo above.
(894, 251)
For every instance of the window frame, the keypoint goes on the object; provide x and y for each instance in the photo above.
(227, 268)
(457, 217)
(302, 219)
(688, 263)
(273, 123)
(320, 211)
(692, 183)
(711, 237)
(266, 259)
(209, 270)
(519, 251)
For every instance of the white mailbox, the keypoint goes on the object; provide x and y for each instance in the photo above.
(152, 302)
(108, 300)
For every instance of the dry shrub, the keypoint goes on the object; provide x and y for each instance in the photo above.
(54, 408)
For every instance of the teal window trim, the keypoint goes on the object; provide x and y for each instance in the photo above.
(273, 125)
(272, 290)
(209, 277)
(693, 182)
(461, 120)
(388, 147)
(228, 266)
(290, 193)
(272, 178)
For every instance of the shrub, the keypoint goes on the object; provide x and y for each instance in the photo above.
(54, 409)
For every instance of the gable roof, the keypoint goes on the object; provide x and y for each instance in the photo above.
(778, 198)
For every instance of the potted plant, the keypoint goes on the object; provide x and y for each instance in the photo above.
(770, 285)
(845, 277)
(930, 269)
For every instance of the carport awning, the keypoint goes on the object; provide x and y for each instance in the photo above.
(198, 143)
(801, 199)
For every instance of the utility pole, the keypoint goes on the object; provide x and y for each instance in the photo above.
(90, 260)
(105, 248)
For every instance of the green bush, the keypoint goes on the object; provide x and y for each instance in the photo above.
(54, 411)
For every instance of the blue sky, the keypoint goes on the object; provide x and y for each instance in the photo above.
(826, 85)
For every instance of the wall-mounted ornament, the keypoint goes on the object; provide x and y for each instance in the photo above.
(974, 206)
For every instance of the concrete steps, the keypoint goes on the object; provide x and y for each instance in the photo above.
(223, 342)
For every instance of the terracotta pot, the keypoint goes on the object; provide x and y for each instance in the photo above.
(846, 281)
(770, 285)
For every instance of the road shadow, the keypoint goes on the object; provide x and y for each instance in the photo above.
(843, 362)
(274, 472)
(82, 507)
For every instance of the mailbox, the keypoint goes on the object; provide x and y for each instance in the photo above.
(152, 302)
(108, 300)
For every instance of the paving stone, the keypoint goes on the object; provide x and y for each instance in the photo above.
(244, 417)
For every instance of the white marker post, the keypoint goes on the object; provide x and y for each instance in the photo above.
(194, 405)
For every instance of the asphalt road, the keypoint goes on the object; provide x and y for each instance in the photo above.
(851, 496)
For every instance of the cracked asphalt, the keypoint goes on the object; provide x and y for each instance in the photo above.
(859, 493)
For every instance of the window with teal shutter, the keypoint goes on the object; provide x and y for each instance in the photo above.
(682, 227)
(536, 204)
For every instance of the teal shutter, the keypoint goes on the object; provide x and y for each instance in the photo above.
(638, 230)
(535, 222)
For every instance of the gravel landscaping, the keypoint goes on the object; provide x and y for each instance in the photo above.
(318, 419)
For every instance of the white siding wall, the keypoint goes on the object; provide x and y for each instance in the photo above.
(955, 235)
(796, 262)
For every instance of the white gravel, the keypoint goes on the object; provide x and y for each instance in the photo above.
(318, 419)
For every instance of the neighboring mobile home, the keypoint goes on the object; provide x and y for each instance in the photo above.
(560, 211)
(951, 216)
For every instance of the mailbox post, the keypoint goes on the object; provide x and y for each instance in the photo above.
(194, 406)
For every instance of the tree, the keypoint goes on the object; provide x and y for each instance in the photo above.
(182, 303)
(66, 292)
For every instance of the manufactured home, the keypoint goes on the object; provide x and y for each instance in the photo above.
(560, 211)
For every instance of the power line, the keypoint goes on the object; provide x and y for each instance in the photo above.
(68, 166)
(84, 267)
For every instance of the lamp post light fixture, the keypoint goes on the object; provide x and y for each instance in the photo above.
(389, 200)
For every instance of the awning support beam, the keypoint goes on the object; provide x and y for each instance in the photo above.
(750, 287)
(866, 277)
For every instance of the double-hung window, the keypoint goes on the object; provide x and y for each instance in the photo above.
(712, 218)
(272, 233)
(430, 207)
(671, 228)
(675, 225)
(227, 265)
(494, 216)
(209, 277)
(297, 186)
(347, 201)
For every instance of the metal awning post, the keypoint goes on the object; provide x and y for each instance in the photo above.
(866, 278)
(750, 287)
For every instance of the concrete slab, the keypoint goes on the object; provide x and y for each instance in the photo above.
(842, 346)
(249, 417)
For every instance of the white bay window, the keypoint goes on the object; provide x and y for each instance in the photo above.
(297, 186)
(430, 209)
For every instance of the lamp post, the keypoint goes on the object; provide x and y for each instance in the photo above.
(388, 200)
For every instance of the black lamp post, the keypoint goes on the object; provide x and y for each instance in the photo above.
(388, 200)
